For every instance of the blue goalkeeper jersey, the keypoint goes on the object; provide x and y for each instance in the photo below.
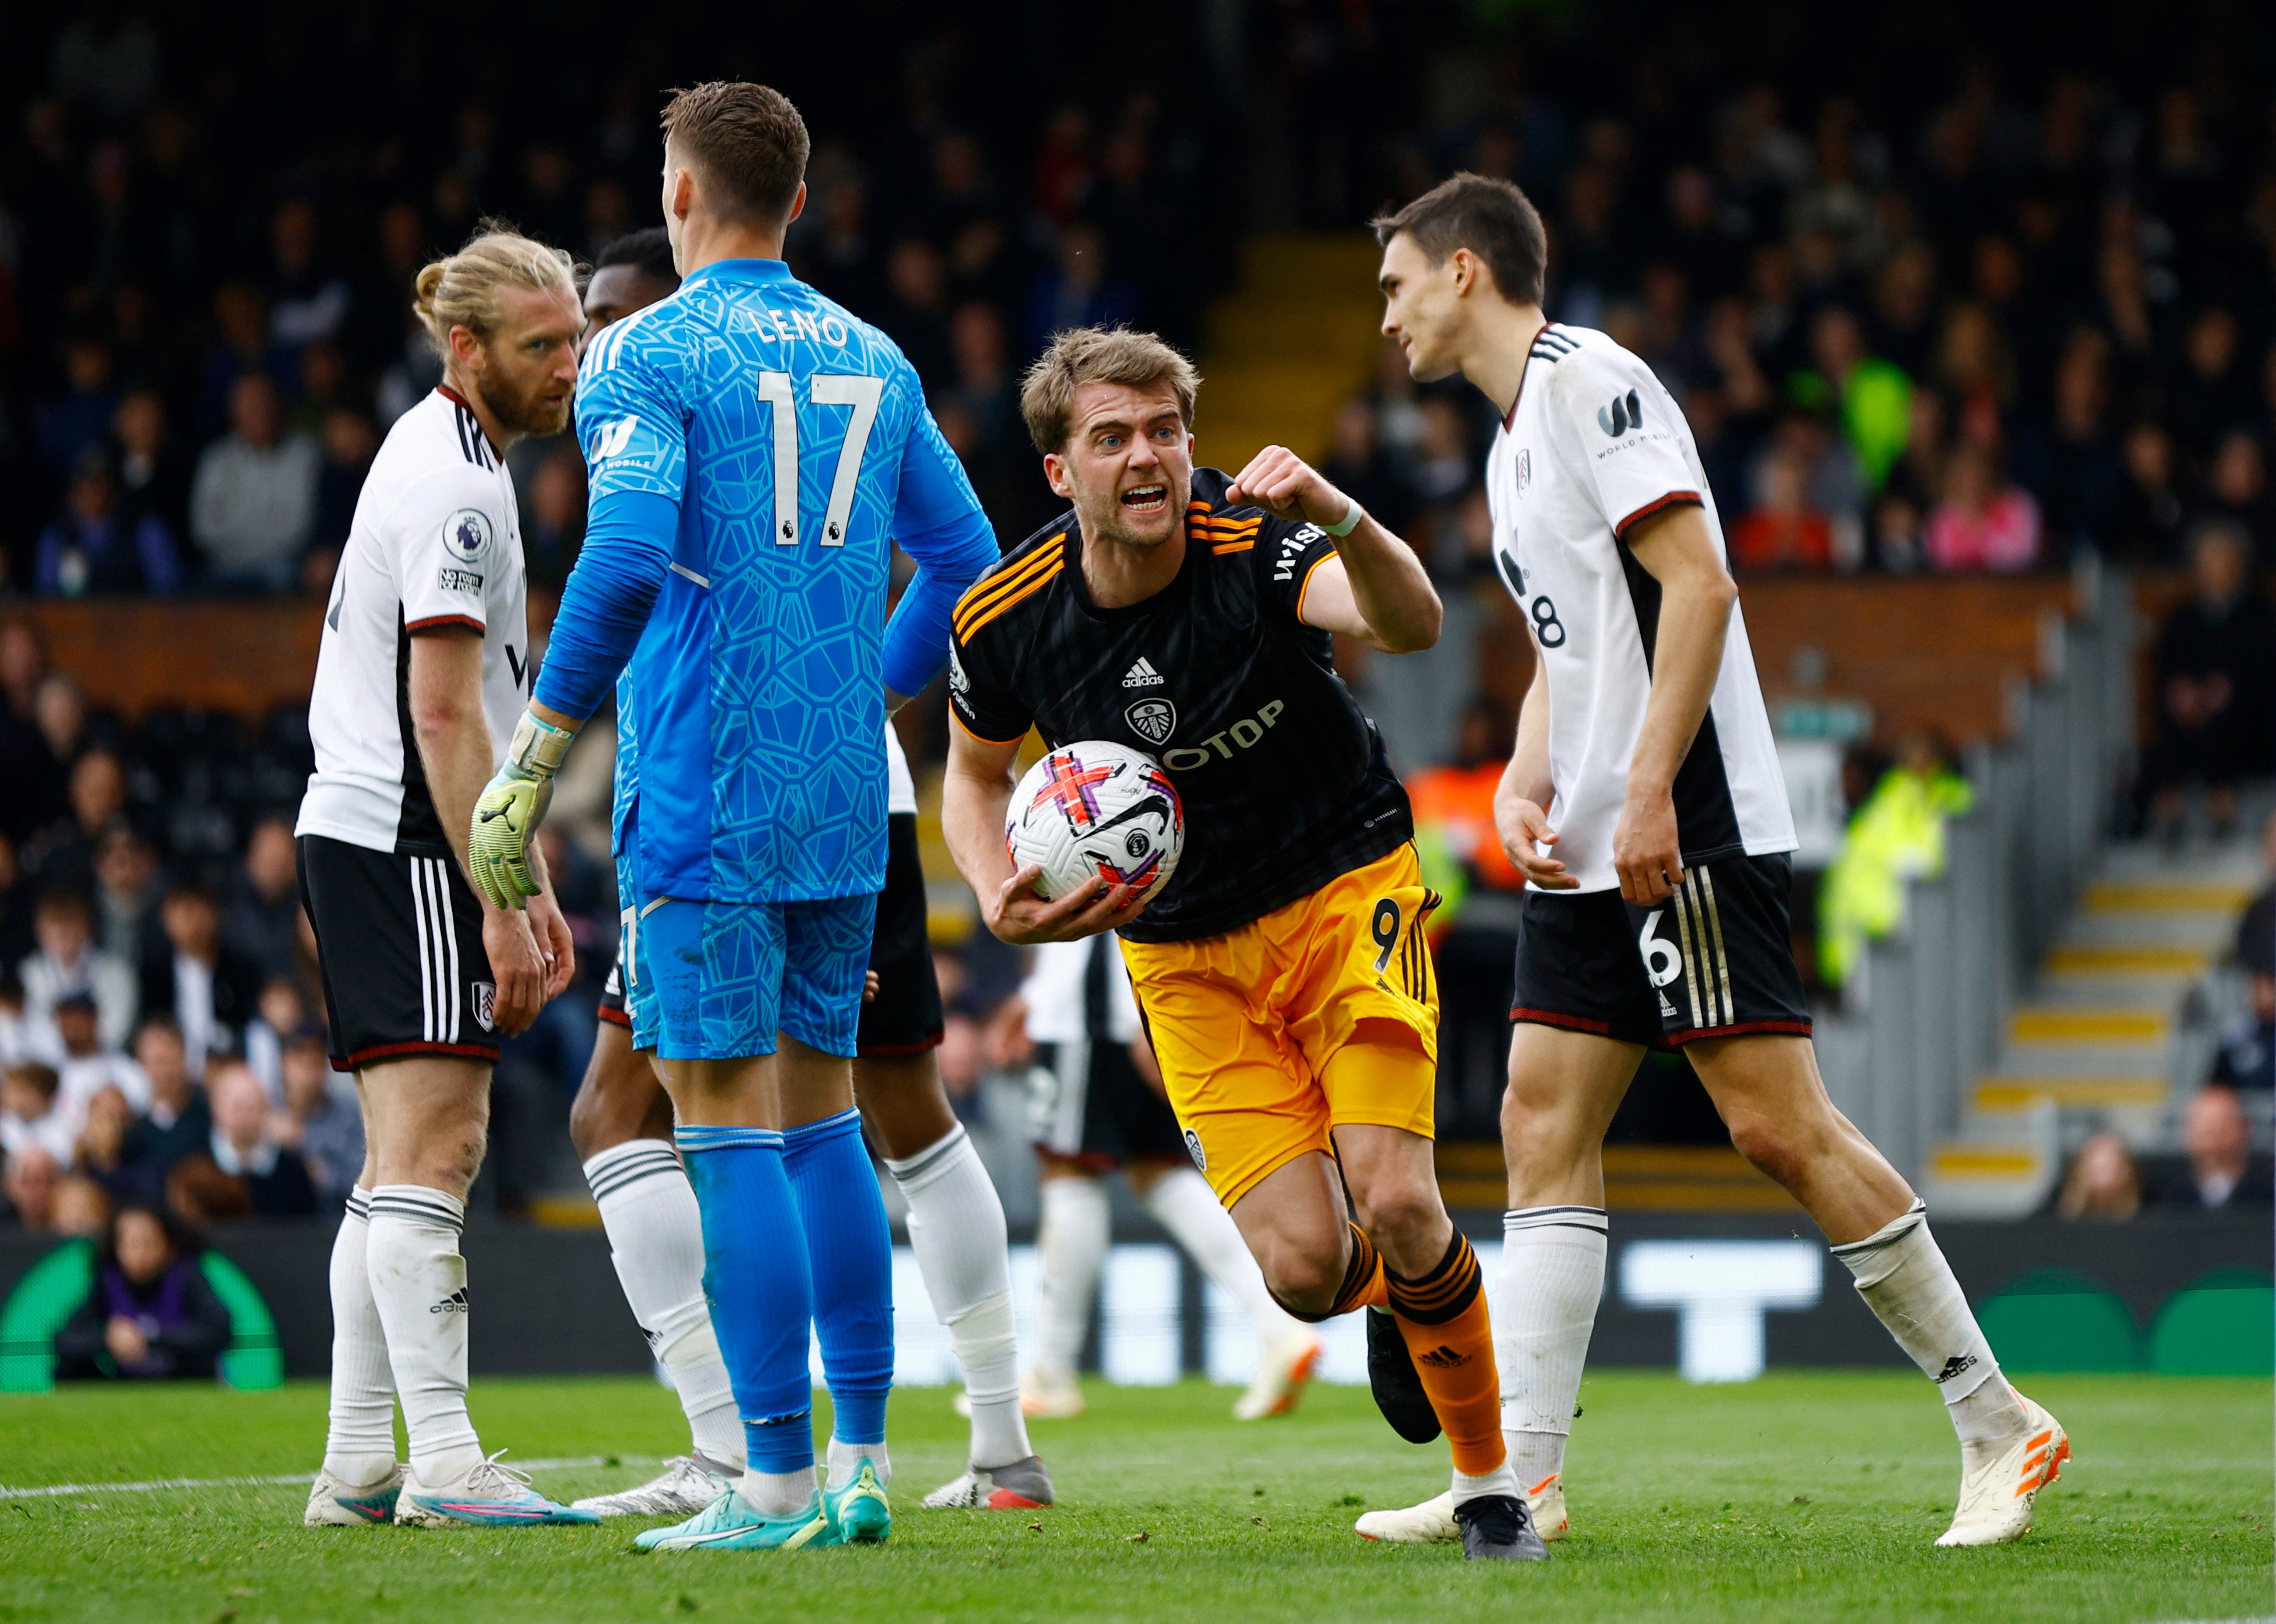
(794, 441)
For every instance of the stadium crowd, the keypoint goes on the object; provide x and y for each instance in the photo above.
(1930, 302)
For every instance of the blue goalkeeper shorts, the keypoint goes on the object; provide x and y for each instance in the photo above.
(717, 981)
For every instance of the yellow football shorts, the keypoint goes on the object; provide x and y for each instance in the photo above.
(1322, 1013)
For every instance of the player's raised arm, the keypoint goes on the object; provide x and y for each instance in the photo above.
(1375, 587)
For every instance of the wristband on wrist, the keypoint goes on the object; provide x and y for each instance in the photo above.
(1350, 521)
(537, 748)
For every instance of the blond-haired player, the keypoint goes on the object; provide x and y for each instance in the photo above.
(422, 672)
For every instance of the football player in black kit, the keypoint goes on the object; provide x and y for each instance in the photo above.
(1281, 973)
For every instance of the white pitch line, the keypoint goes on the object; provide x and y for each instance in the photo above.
(56, 1491)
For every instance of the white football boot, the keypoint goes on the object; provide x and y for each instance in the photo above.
(1281, 1378)
(486, 1495)
(1999, 1486)
(335, 1503)
(1024, 1486)
(684, 1489)
(1432, 1522)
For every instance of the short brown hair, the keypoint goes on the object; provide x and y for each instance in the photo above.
(749, 142)
(1097, 355)
(1489, 217)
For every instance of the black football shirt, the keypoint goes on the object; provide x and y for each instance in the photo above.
(1284, 780)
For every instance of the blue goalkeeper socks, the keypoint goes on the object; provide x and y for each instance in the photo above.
(850, 1248)
(757, 1279)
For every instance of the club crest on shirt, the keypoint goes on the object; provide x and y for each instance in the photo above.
(486, 1006)
(467, 533)
(1154, 720)
(1524, 469)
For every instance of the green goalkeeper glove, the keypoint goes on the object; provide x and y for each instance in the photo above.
(507, 815)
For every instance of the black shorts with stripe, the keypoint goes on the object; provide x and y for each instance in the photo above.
(906, 1016)
(1714, 960)
(1101, 1115)
(399, 946)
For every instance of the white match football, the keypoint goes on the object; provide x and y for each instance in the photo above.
(1096, 808)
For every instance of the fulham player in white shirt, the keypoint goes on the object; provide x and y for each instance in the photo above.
(423, 672)
(1643, 803)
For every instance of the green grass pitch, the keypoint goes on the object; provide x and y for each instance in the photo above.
(1801, 1496)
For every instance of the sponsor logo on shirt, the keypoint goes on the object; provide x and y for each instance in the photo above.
(610, 439)
(1626, 412)
(467, 533)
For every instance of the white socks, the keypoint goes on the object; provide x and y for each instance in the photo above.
(776, 1494)
(1185, 1205)
(1904, 1279)
(842, 1459)
(656, 1239)
(956, 1228)
(1544, 1309)
(359, 1446)
(419, 1285)
(1501, 1480)
(1075, 1225)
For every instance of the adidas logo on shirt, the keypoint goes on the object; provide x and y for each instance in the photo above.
(455, 1303)
(1142, 675)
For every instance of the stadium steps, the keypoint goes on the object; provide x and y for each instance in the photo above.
(2104, 1042)
(1294, 339)
(1637, 1178)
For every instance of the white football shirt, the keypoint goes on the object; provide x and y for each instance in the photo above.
(1593, 445)
(435, 542)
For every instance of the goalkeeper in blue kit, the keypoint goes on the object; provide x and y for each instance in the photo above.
(753, 449)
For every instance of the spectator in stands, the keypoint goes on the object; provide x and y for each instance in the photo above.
(350, 439)
(2236, 488)
(209, 989)
(2246, 1059)
(1360, 466)
(27, 767)
(177, 1123)
(28, 1181)
(2073, 464)
(126, 894)
(88, 1067)
(106, 1153)
(81, 1210)
(2216, 682)
(1078, 288)
(554, 524)
(2148, 526)
(244, 1146)
(1871, 397)
(1981, 521)
(79, 418)
(2219, 1168)
(1783, 531)
(283, 1012)
(59, 710)
(263, 921)
(97, 545)
(33, 1113)
(324, 1127)
(2103, 1182)
(67, 962)
(62, 855)
(252, 506)
(154, 477)
(151, 1315)
(1895, 833)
